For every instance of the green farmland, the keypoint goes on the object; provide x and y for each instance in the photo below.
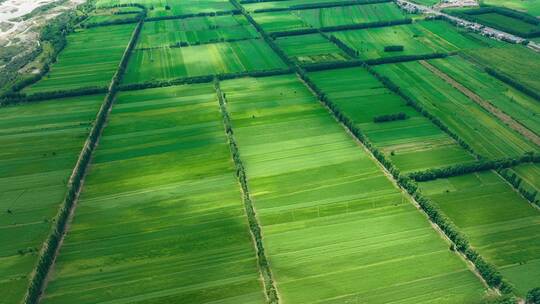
(267, 152)
(500, 224)
(101, 48)
(316, 191)
(412, 144)
(161, 217)
(417, 39)
(200, 60)
(40, 146)
(332, 16)
(488, 136)
(195, 31)
(311, 48)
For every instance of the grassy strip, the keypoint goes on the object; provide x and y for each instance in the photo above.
(483, 165)
(255, 228)
(488, 271)
(200, 79)
(319, 5)
(49, 250)
(16, 98)
(185, 16)
(345, 27)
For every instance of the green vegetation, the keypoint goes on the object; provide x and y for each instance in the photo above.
(90, 59)
(311, 48)
(527, 180)
(170, 8)
(487, 136)
(499, 223)
(199, 60)
(516, 62)
(513, 102)
(40, 146)
(304, 4)
(331, 16)
(195, 30)
(531, 7)
(417, 39)
(330, 218)
(160, 217)
(412, 144)
(117, 15)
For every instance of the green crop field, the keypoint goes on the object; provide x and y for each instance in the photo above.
(331, 16)
(412, 144)
(200, 60)
(285, 4)
(161, 217)
(521, 107)
(530, 177)
(311, 48)
(517, 62)
(118, 14)
(529, 6)
(501, 225)
(195, 31)
(90, 59)
(506, 23)
(330, 217)
(417, 39)
(488, 136)
(165, 8)
(40, 146)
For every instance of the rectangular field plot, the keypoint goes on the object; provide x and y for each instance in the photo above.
(335, 229)
(160, 218)
(200, 60)
(90, 59)
(195, 31)
(531, 7)
(521, 107)
(501, 225)
(331, 16)
(517, 62)
(311, 48)
(40, 145)
(419, 38)
(292, 4)
(487, 135)
(529, 174)
(117, 14)
(412, 144)
(166, 8)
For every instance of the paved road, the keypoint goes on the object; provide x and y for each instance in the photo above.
(485, 29)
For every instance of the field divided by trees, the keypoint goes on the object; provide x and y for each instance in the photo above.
(172, 8)
(487, 135)
(160, 218)
(90, 59)
(412, 144)
(40, 145)
(311, 48)
(501, 225)
(334, 227)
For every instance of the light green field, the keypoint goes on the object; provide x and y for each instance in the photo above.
(506, 23)
(517, 62)
(335, 228)
(501, 225)
(158, 8)
(530, 176)
(511, 101)
(285, 4)
(331, 16)
(426, 2)
(417, 39)
(487, 135)
(200, 60)
(311, 48)
(160, 218)
(90, 59)
(529, 6)
(195, 30)
(413, 144)
(40, 146)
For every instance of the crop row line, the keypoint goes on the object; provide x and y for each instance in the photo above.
(254, 226)
(52, 244)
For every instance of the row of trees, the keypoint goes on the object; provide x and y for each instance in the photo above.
(390, 117)
(482, 165)
(319, 5)
(50, 246)
(16, 97)
(254, 226)
(513, 83)
(528, 193)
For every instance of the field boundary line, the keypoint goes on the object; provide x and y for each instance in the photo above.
(486, 105)
(51, 246)
(265, 271)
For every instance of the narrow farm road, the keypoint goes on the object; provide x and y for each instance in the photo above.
(505, 118)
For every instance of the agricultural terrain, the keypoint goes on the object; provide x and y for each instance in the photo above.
(292, 151)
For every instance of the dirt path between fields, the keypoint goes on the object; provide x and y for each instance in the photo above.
(505, 118)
